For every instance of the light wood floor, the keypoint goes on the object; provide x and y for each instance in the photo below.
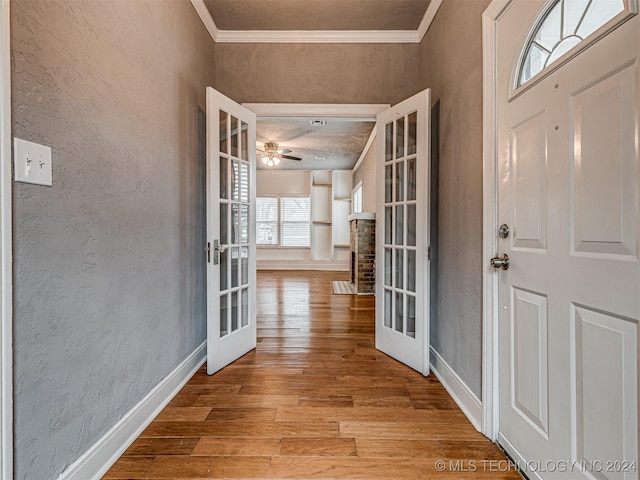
(314, 400)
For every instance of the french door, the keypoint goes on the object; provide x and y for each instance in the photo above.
(402, 232)
(231, 267)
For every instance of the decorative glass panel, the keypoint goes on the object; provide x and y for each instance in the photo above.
(224, 321)
(223, 132)
(244, 182)
(388, 308)
(565, 25)
(399, 311)
(224, 269)
(411, 225)
(411, 316)
(234, 267)
(224, 178)
(245, 308)
(399, 181)
(400, 137)
(244, 142)
(388, 184)
(244, 258)
(235, 181)
(235, 223)
(399, 225)
(244, 224)
(388, 142)
(224, 224)
(387, 266)
(411, 270)
(411, 179)
(388, 225)
(399, 268)
(412, 137)
(234, 311)
(234, 136)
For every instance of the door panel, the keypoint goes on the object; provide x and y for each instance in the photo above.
(569, 303)
(402, 283)
(231, 326)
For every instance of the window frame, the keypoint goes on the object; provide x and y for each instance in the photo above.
(278, 244)
(516, 89)
(354, 192)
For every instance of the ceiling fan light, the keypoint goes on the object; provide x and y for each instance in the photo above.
(265, 160)
(276, 160)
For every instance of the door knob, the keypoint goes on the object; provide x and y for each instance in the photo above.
(500, 262)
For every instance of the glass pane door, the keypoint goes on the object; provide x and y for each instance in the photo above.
(402, 289)
(231, 329)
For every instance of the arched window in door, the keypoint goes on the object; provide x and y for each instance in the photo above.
(564, 25)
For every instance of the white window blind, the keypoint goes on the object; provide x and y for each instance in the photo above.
(267, 220)
(357, 199)
(295, 215)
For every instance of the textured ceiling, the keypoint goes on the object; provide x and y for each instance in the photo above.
(317, 14)
(341, 142)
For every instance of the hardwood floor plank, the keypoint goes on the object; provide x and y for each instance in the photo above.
(240, 447)
(318, 447)
(162, 446)
(209, 467)
(314, 400)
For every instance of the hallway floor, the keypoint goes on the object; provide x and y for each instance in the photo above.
(314, 400)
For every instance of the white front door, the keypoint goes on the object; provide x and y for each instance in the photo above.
(231, 267)
(402, 232)
(569, 303)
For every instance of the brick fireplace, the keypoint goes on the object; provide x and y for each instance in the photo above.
(363, 252)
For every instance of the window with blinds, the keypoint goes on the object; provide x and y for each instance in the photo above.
(357, 199)
(283, 221)
(267, 220)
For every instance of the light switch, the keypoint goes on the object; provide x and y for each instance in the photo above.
(31, 162)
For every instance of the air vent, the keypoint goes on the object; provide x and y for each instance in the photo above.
(320, 157)
(317, 123)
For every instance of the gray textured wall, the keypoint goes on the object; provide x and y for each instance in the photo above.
(109, 265)
(317, 73)
(451, 65)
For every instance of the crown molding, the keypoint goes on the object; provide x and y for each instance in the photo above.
(316, 36)
(429, 15)
(205, 16)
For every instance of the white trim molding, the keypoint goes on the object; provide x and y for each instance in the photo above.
(363, 112)
(316, 36)
(490, 390)
(468, 402)
(6, 262)
(95, 462)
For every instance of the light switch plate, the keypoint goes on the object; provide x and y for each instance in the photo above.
(31, 162)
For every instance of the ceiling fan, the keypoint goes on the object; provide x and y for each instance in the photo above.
(271, 155)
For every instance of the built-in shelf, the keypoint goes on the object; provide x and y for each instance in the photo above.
(322, 185)
(320, 222)
(343, 199)
(342, 246)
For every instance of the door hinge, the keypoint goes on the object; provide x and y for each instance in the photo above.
(208, 252)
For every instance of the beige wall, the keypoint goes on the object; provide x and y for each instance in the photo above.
(451, 65)
(317, 73)
(366, 173)
(109, 291)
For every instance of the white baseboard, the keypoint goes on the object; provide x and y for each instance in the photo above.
(103, 454)
(468, 402)
(302, 265)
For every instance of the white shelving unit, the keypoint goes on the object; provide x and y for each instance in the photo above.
(330, 207)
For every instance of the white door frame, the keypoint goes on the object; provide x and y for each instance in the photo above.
(490, 387)
(363, 112)
(6, 240)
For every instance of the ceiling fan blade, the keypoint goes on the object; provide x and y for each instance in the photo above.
(289, 157)
(260, 151)
(285, 150)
